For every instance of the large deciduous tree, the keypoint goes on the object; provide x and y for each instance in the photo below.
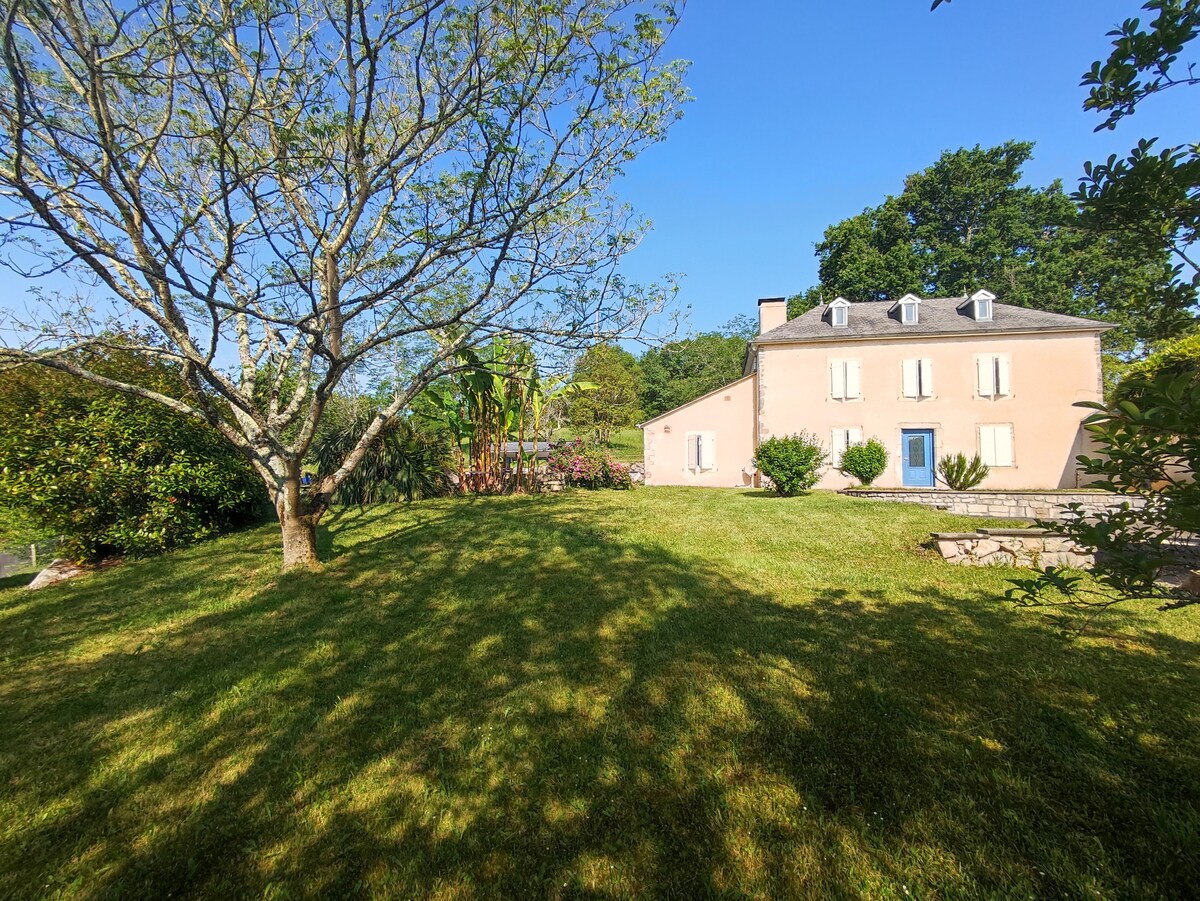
(612, 401)
(968, 222)
(289, 191)
(683, 370)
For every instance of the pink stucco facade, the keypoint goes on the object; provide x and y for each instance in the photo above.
(726, 419)
(789, 390)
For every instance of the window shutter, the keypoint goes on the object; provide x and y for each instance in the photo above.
(986, 375)
(853, 436)
(912, 375)
(853, 378)
(1003, 376)
(694, 451)
(996, 445)
(838, 446)
(708, 451)
(926, 370)
(1004, 445)
(837, 379)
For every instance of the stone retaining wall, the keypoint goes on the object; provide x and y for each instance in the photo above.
(1036, 548)
(1048, 505)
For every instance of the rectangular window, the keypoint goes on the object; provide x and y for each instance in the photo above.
(845, 379)
(993, 375)
(917, 376)
(840, 316)
(701, 450)
(840, 439)
(908, 313)
(996, 444)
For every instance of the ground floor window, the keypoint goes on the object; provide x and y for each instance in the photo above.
(996, 444)
(701, 450)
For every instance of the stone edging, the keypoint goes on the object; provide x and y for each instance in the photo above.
(1036, 548)
(1047, 505)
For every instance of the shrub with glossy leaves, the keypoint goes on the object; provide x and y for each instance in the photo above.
(792, 462)
(962, 474)
(115, 474)
(865, 462)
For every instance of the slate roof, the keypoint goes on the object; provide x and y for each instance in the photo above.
(938, 316)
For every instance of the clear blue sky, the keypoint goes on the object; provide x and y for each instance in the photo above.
(807, 111)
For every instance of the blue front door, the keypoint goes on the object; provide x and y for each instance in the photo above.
(917, 448)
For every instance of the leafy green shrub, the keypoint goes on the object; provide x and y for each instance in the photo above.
(584, 465)
(1179, 357)
(405, 461)
(865, 462)
(115, 474)
(962, 474)
(792, 463)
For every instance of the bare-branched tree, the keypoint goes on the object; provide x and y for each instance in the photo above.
(280, 192)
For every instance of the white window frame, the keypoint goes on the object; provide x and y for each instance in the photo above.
(983, 310)
(840, 316)
(845, 379)
(993, 376)
(706, 445)
(841, 439)
(910, 313)
(916, 378)
(995, 454)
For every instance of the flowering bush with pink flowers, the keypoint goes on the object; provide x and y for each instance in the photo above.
(585, 465)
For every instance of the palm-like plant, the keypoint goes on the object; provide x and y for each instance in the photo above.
(404, 464)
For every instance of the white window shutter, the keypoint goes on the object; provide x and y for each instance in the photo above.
(912, 375)
(708, 451)
(926, 368)
(853, 378)
(987, 444)
(837, 445)
(853, 437)
(1004, 445)
(837, 379)
(1003, 376)
(694, 451)
(986, 375)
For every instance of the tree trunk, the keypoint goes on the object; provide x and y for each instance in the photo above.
(299, 527)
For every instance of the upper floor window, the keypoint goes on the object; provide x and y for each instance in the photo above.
(993, 375)
(845, 379)
(917, 378)
(978, 306)
(839, 313)
(908, 308)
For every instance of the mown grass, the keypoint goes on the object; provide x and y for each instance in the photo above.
(625, 445)
(659, 693)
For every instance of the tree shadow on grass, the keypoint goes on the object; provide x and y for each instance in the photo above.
(505, 699)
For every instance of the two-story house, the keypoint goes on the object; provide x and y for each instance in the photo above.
(925, 376)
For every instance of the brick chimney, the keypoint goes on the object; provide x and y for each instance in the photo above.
(772, 312)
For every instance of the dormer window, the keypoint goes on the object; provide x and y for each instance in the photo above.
(839, 313)
(979, 306)
(908, 309)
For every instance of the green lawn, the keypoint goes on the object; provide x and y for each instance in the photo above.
(625, 445)
(664, 693)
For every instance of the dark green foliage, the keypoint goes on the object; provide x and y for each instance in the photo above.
(683, 370)
(865, 462)
(115, 474)
(406, 462)
(792, 463)
(962, 474)
(613, 403)
(1180, 357)
(1150, 452)
(967, 222)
